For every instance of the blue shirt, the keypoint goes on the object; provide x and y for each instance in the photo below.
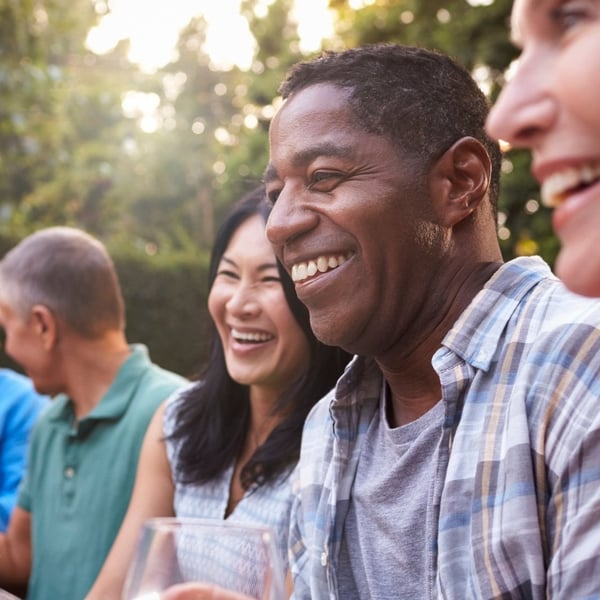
(516, 509)
(20, 406)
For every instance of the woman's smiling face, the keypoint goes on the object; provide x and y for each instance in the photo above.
(550, 106)
(263, 344)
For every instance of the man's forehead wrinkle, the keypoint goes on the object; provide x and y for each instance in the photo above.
(303, 157)
(326, 149)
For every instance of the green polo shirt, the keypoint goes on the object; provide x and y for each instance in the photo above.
(80, 477)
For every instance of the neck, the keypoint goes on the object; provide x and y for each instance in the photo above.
(412, 393)
(414, 385)
(262, 422)
(263, 418)
(91, 367)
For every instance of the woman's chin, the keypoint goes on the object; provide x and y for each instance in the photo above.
(579, 269)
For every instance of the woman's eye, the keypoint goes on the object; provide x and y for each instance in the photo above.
(570, 14)
(226, 273)
(272, 279)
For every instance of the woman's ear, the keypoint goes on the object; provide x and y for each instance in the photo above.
(45, 325)
(460, 180)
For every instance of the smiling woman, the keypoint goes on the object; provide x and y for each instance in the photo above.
(153, 26)
(549, 106)
(226, 447)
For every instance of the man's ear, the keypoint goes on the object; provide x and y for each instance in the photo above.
(459, 180)
(45, 325)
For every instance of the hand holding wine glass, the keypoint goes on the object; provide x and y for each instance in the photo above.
(184, 559)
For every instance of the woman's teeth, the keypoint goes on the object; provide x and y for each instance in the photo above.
(247, 337)
(557, 187)
(304, 270)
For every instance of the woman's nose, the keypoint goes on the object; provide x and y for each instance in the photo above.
(526, 107)
(242, 303)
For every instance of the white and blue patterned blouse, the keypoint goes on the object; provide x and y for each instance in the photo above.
(267, 505)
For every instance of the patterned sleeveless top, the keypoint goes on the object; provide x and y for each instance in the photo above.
(267, 505)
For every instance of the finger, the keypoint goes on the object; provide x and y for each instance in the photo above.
(201, 591)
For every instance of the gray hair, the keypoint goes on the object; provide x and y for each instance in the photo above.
(69, 272)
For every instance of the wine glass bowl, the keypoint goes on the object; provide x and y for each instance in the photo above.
(236, 557)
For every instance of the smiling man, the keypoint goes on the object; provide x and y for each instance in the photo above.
(457, 457)
(63, 315)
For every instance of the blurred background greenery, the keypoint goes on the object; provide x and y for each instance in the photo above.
(148, 160)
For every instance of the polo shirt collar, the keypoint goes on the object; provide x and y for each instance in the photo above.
(117, 398)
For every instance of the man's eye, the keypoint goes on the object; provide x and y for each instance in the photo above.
(324, 181)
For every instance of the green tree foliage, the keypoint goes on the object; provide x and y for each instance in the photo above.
(75, 150)
(221, 117)
(38, 42)
(70, 154)
(210, 145)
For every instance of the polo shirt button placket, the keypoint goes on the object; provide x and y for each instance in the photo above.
(71, 463)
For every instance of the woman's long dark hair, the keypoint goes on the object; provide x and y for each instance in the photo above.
(213, 416)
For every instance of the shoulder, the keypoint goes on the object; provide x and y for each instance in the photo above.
(144, 385)
(535, 306)
(356, 392)
(14, 385)
(156, 381)
(560, 321)
(174, 402)
(13, 379)
(20, 401)
(150, 374)
(557, 362)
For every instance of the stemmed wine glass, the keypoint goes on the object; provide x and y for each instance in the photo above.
(242, 559)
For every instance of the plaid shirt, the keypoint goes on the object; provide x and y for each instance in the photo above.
(516, 510)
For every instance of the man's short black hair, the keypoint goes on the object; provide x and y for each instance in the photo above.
(421, 100)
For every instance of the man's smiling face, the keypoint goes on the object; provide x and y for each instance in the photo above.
(349, 221)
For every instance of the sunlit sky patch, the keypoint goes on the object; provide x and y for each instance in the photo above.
(152, 26)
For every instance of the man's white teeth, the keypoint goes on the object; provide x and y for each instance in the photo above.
(304, 270)
(555, 188)
(250, 337)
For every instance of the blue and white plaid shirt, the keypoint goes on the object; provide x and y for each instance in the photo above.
(516, 511)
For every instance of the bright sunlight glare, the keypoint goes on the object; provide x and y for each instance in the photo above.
(153, 26)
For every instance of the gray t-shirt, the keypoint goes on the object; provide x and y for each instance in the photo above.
(384, 553)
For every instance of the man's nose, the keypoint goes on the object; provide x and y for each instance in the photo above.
(290, 217)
